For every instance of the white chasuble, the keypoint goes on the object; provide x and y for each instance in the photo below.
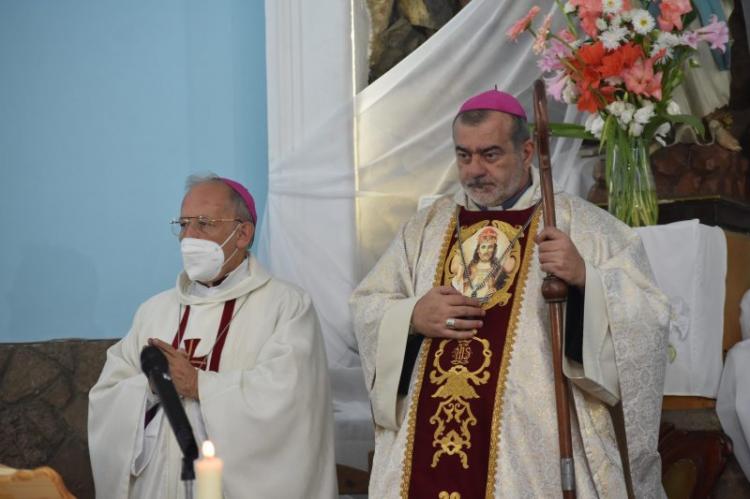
(263, 389)
(623, 301)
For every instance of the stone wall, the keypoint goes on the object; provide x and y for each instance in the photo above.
(399, 26)
(44, 405)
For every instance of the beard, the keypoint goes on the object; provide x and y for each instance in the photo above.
(486, 191)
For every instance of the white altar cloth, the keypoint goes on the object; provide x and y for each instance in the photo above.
(689, 261)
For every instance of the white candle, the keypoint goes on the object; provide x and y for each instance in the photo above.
(208, 473)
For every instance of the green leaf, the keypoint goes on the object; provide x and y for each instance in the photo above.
(650, 129)
(688, 119)
(608, 132)
(570, 130)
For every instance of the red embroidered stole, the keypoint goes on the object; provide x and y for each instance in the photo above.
(191, 345)
(454, 419)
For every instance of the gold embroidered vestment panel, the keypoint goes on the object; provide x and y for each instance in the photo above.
(456, 407)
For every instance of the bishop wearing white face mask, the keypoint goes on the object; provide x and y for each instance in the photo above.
(203, 259)
(246, 356)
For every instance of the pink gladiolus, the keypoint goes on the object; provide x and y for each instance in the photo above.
(671, 12)
(566, 35)
(559, 48)
(716, 33)
(523, 23)
(556, 85)
(541, 35)
(640, 78)
(549, 62)
(691, 39)
(553, 55)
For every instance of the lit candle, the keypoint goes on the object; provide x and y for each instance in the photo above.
(208, 473)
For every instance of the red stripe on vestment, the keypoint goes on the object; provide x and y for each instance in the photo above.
(181, 330)
(226, 318)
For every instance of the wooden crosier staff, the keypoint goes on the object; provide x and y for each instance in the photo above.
(555, 292)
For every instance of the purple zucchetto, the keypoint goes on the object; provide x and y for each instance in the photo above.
(494, 100)
(244, 194)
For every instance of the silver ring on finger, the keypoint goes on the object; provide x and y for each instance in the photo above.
(450, 323)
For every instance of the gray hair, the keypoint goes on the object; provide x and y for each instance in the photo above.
(240, 208)
(519, 134)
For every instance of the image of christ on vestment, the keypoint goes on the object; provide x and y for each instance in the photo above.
(489, 267)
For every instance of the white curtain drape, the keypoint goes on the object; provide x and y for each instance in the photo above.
(316, 60)
(308, 224)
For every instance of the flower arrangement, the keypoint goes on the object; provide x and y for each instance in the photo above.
(621, 60)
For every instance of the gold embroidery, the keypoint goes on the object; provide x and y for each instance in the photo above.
(505, 362)
(412, 418)
(454, 271)
(444, 251)
(422, 363)
(462, 353)
(449, 495)
(455, 388)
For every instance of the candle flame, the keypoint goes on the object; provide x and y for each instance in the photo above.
(208, 449)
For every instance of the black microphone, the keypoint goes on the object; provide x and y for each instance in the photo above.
(156, 369)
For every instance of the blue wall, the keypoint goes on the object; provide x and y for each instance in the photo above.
(105, 107)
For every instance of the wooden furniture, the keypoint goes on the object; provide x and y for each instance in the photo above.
(40, 483)
(351, 480)
(691, 461)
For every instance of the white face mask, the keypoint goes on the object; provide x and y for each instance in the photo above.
(203, 259)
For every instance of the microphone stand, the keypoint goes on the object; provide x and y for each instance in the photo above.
(188, 475)
(156, 368)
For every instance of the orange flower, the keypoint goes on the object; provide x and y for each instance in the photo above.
(587, 101)
(622, 58)
(591, 54)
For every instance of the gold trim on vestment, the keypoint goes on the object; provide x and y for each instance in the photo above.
(455, 388)
(423, 351)
(507, 352)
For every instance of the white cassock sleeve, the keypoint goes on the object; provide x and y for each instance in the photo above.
(146, 439)
(598, 373)
(391, 345)
(382, 307)
(117, 406)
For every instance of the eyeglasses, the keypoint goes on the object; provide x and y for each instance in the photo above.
(203, 225)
